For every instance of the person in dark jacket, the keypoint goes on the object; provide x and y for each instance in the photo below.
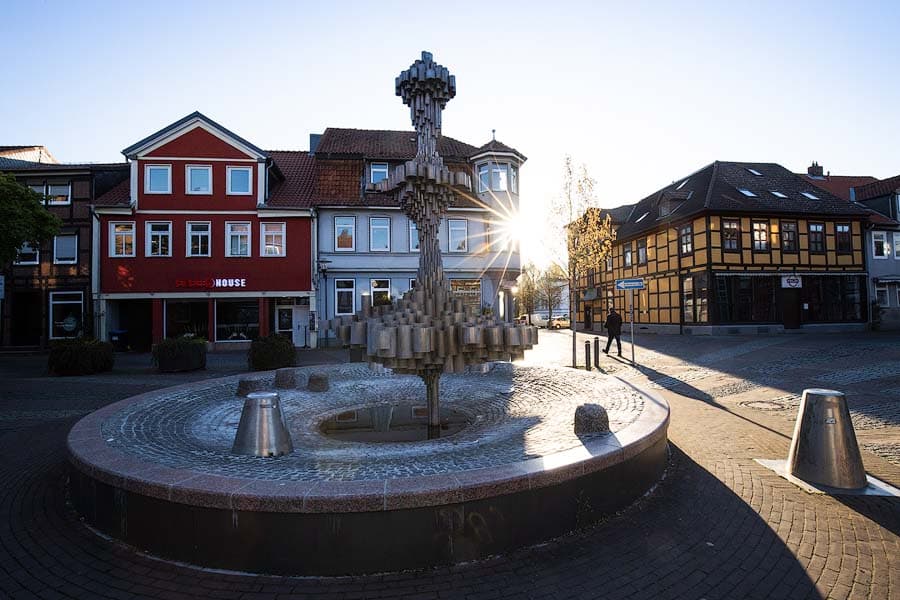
(613, 329)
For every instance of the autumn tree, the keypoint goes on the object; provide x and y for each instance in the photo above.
(23, 219)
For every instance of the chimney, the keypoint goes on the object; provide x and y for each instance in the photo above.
(814, 170)
(314, 142)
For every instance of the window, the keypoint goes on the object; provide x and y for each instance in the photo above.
(513, 179)
(494, 177)
(344, 234)
(469, 290)
(810, 195)
(198, 180)
(65, 314)
(240, 180)
(412, 284)
(272, 239)
(59, 193)
(413, 237)
(377, 172)
(159, 239)
(484, 178)
(681, 185)
(121, 239)
(789, 236)
(28, 254)
(65, 249)
(459, 235)
(816, 237)
(842, 235)
(687, 239)
(778, 194)
(881, 296)
(642, 251)
(879, 244)
(198, 239)
(158, 179)
(754, 172)
(760, 236)
(344, 294)
(237, 239)
(642, 217)
(897, 245)
(747, 193)
(626, 249)
(609, 262)
(379, 234)
(237, 320)
(381, 292)
(731, 235)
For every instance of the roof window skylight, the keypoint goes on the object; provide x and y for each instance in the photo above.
(747, 193)
(810, 195)
(778, 194)
(681, 185)
(754, 172)
(641, 218)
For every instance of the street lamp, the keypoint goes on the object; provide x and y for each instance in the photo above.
(322, 265)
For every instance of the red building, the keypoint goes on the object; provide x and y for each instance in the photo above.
(209, 235)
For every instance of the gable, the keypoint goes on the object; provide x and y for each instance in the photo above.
(200, 143)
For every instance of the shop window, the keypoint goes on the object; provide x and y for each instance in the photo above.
(158, 179)
(686, 233)
(28, 254)
(237, 320)
(816, 238)
(378, 172)
(642, 251)
(198, 239)
(65, 249)
(159, 239)
(881, 296)
(469, 290)
(198, 180)
(833, 299)
(381, 292)
(344, 234)
(687, 299)
(344, 294)
(731, 235)
(66, 313)
(459, 235)
(842, 235)
(237, 239)
(789, 236)
(272, 238)
(121, 243)
(695, 295)
(626, 253)
(379, 234)
(760, 236)
(239, 180)
(187, 318)
(413, 236)
(879, 244)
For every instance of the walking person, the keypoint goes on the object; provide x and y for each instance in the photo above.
(613, 330)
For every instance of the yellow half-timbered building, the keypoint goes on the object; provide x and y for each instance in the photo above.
(734, 248)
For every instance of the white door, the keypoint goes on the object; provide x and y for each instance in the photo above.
(301, 326)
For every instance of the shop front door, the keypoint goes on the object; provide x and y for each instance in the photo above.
(790, 308)
(293, 321)
(588, 317)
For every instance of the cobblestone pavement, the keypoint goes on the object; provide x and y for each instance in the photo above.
(718, 526)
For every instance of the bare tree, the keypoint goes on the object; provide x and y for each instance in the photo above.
(528, 290)
(550, 288)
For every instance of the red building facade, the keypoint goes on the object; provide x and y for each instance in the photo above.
(209, 236)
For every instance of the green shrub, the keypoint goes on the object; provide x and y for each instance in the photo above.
(272, 352)
(185, 353)
(80, 356)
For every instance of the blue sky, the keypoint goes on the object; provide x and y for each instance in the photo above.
(643, 93)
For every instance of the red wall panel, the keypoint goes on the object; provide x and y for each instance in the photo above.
(179, 200)
(198, 142)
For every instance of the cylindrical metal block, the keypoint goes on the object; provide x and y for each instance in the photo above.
(824, 449)
(404, 342)
(261, 431)
(358, 333)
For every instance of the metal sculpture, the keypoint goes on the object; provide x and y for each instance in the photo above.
(428, 331)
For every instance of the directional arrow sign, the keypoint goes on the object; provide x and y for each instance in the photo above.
(636, 283)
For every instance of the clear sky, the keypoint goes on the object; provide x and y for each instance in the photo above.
(643, 93)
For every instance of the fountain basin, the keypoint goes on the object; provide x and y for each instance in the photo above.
(156, 471)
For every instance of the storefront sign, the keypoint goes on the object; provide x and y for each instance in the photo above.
(791, 281)
(211, 283)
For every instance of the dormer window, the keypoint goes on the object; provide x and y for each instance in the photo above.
(494, 177)
(199, 180)
(158, 179)
(378, 172)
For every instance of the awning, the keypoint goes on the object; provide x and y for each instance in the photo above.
(782, 273)
(888, 279)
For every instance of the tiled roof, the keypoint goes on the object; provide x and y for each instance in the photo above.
(498, 146)
(839, 185)
(388, 145)
(119, 195)
(875, 189)
(24, 165)
(9, 164)
(716, 188)
(296, 189)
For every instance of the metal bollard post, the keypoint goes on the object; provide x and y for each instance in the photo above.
(587, 355)
(262, 431)
(824, 449)
(597, 351)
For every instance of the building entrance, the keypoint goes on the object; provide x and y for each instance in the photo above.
(293, 321)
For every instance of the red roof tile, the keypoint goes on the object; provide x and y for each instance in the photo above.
(875, 189)
(119, 195)
(839, 185)
(388, 145)
(299, 170)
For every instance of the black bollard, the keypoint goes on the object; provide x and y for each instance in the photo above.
(587, 355)
(597, 351)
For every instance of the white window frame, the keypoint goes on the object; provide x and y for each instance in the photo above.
(378, 167)
(36, 251)
(352, 247)
(481, 186)
(112, 239)
(450, 248)
(372, 289)
(887, 297)
(229, 233)
(884, 245)
(53, 304)
(413, 229)
(351, 290)
(187, 179)
(372, 226)
(497, 168)
(514, 179)
(148, 238)
(627, 255)
(74, 261)
(187, 239)
(147, 169)
(411, 282)
(896, 236)
(49, 198)
(228, 188)
(263, 247)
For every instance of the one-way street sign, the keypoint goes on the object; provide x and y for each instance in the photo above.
(636, 283)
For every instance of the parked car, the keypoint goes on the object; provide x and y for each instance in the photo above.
(540, 319)
(561, 322)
